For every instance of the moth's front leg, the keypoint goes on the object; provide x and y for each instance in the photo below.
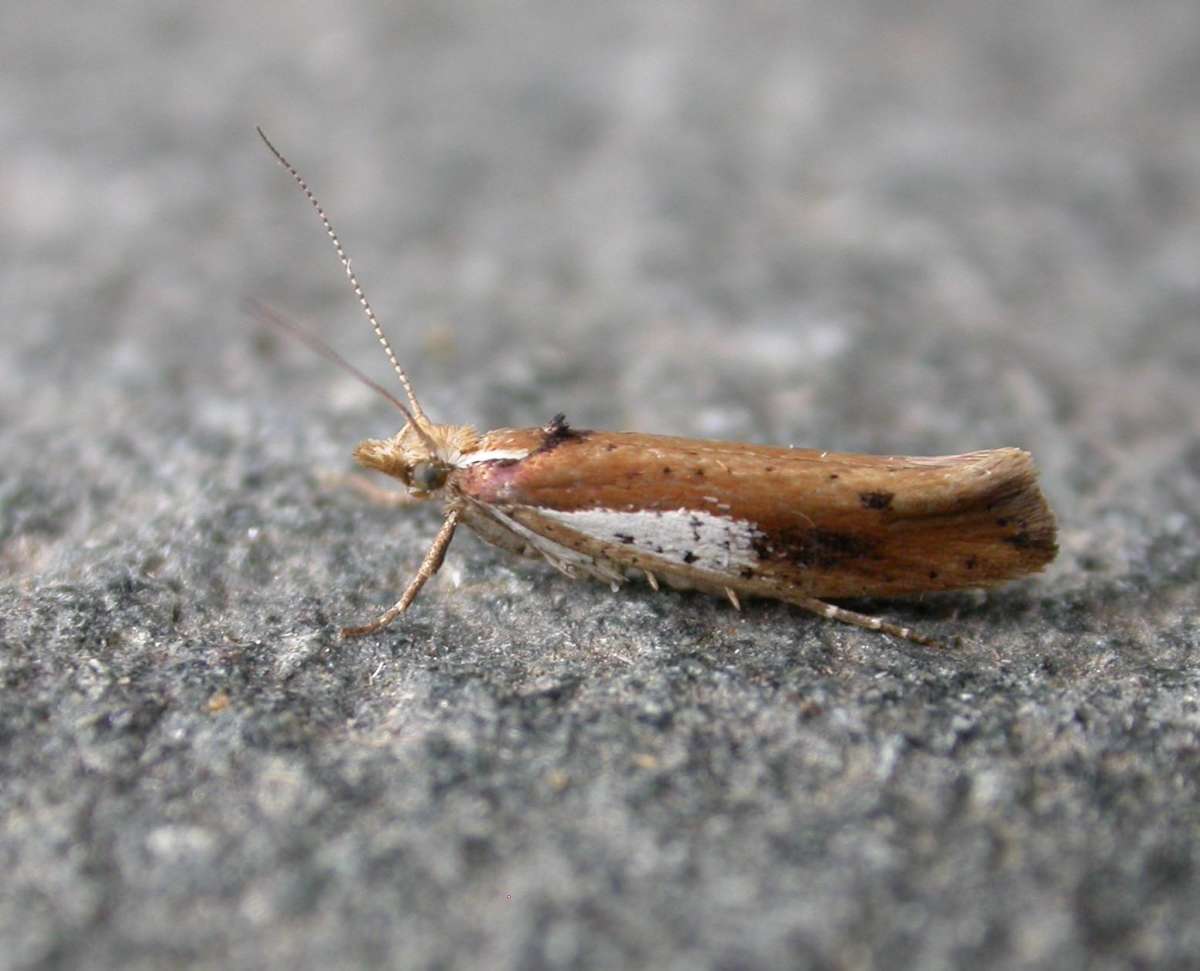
(431, 564)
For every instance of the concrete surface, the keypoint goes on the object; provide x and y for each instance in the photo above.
(893, 227)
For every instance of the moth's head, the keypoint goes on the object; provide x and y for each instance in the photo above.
(406, 457)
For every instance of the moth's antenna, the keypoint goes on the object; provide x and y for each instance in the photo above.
(354, 284)
(265, 314)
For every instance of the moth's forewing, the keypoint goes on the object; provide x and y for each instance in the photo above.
(772, 520)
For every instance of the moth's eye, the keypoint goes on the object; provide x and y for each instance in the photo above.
(427, 476)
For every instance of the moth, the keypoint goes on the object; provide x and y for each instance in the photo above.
(798, 525)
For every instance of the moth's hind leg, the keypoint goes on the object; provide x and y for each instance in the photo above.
(429, 566)
(831, 612)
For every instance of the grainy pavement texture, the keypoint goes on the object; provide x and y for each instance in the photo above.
(891, 227)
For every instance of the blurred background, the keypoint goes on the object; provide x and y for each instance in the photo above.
(632, 193)
(897, 227)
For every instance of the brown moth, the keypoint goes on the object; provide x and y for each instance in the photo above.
(725, 518)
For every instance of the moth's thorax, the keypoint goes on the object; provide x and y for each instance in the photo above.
(409, 454)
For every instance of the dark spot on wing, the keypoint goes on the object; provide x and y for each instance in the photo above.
(1038, 540)
(690, 557)
(812, 548)
(557, 433)
(623, 537)
(876, 500)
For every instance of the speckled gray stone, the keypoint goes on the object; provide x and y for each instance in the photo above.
(884, 227)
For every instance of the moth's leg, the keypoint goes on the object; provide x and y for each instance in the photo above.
(431, 564)
(822, 609)
(733, 598)
(367, 488)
